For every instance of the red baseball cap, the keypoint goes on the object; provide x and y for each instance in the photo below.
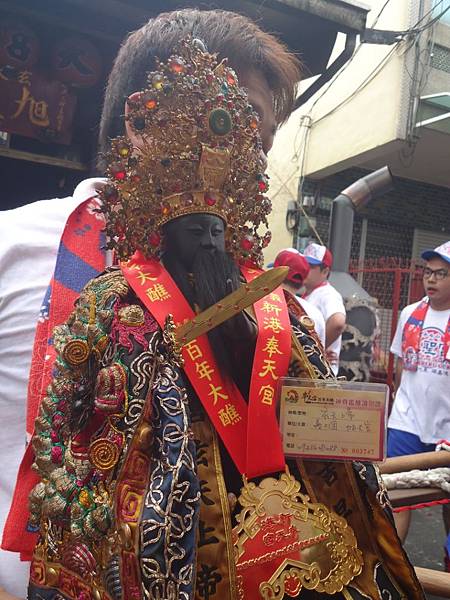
(297, 263)
(316, 254)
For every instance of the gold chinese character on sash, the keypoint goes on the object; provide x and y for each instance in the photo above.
(274, 324)
(267, 307)
(216, 391)
(144, 277)
(272, 347)
(266, 393)
(268, 368)
(229, 415)
(193, 350)
(157, 292)
(204, 370)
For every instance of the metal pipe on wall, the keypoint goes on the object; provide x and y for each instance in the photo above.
(353, 198)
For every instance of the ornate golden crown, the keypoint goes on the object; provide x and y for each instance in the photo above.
(200, 153)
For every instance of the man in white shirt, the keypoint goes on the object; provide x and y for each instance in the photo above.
(298, 271)
(326, 298)
(420, 417)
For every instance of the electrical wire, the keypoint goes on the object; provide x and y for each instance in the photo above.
(415, 30)
(347, 64)
(323, 92)
(376, 70)
(432, 9)
(412, 30)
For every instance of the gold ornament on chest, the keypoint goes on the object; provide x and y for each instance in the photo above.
(284, 542)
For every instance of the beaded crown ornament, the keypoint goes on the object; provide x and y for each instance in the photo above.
(200, 153)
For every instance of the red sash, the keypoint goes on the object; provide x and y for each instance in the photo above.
(245, 430)
(411, 337)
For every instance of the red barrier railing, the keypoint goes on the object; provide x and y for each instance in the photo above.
(394, 283)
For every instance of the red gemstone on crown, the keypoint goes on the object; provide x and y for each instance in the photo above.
(247, 243)
(119, 175)
(177, 65)
(262, 186)
(209, 199)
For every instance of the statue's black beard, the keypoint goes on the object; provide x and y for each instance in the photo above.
(214, 274)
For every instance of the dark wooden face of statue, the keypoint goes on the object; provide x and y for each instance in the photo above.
(187, 235)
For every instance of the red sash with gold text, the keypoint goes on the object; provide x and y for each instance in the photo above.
(249, 432)
(411, 337)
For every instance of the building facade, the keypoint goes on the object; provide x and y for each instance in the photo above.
(389, 105)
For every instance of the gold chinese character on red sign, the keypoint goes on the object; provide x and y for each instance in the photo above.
(37, 109)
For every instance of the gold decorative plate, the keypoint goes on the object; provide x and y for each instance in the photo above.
(284, 542)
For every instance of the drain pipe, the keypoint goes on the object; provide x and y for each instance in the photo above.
(362, 322)
(352, 199)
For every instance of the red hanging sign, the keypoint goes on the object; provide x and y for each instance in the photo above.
(220, 397)
(33, 106)
(271, 361)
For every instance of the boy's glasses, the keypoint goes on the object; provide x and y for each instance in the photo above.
(439, 274)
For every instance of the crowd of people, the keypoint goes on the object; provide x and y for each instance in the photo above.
(144, 475)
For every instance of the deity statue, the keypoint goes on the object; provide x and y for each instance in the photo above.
(160, 462)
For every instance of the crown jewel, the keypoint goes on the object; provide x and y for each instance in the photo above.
(199, 152)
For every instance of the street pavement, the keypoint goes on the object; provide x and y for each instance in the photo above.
(425, 541)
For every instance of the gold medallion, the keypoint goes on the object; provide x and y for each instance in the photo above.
(103, 454)
(307, 322)
(284, 542)
(76, 352)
